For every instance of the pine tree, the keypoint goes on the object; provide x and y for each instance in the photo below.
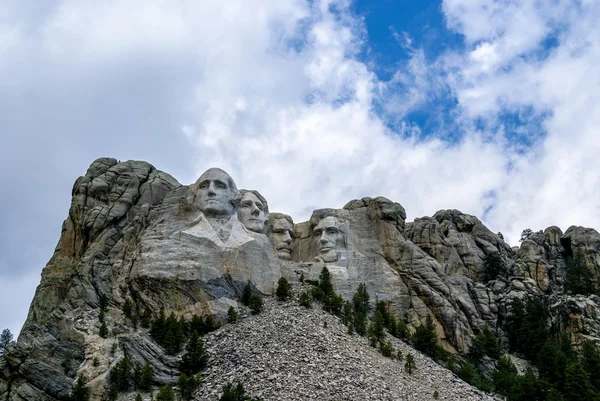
(247, 294)
(361, 299)
(578, 277)
(493, 266)
(147, 378)
(577, 383)
(504, 376)
(195, 358)
(232, 315)
(121, 376)
(256, 304)
(325, 283)
(410, 364)
(376, 327)
(5, 339)
(590, 361)
(425, 338)
(165, 393)
(283, 291)
(305, 299)
(80, 391)
(187, 386)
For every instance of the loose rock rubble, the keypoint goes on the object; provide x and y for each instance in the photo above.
(289, 352)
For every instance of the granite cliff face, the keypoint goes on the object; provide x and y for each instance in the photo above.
(134, 235)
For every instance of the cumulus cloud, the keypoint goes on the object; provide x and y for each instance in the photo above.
(278, 94)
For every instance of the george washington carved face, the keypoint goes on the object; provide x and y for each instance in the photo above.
(216, 193)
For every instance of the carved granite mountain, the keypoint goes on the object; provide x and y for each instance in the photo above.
(134, 235)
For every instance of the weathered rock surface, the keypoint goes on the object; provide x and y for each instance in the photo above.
(135, 234)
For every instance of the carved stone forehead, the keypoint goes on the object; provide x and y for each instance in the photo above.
(215, 173)
(281, 223)
(329, 221)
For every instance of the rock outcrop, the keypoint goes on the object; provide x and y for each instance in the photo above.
(135, 236)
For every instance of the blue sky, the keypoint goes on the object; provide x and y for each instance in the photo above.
(489, 107)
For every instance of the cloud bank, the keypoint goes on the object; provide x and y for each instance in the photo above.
(282, 96)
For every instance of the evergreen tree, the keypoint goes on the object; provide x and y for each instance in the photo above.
(578, 277)
(360, 300)
(525, 234)
(256, 304)
(121, 376)
(333, 304)
(590, 361)
(325, 282)
(504, 376)
(127, 308)
(80, 391)
(187, 386)
(493, 266)
(103, 330)
(283, 291)
(195, 358)
(551, 363)
(381, 307)
(232, 315)
(246, 294)
(376, 326)
(165, 393)
(305, 299)
(360, 323)
(485, 343)
(577, 383)
(515, 322)
(147, 378)
(410, 364)
(5, 339)
(425, 338)
(233, 392)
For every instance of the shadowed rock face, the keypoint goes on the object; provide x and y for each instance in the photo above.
(134, 233)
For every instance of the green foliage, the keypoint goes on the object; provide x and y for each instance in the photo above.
(232, 392)
(325, 283)
(165, 393)
(232, 315)
(202, 325)
(5, 339)
(194, 359)
(284, 289)
(360, 323)
(578, 277)
(146, 318)
(139, 397)
(169, 332)
(409, 364)
(188, 385)
(485, 343)
(436, 394)
(360, 300)
(377, 325)
(103, 330)
(80, 391)
(143, 377)
(590, 361)
(256, 304)
(386, 348)
(121, 375)
(373, 340)
(525, 234)
(425, 339)
(551, 363)
(246, 294)
(577, 383)
(382, 308)
(504, 376)
(527, 328)
(469, 373)
(305, 299)
(493, 266)
(333, 304)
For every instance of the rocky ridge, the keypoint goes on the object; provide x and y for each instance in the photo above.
(126, 239)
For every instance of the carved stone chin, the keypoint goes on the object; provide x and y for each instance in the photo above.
(328, 257)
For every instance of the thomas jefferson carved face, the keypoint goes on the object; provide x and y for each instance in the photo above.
(216, 193)
(329, 238)
(281, 235)
(252, 212)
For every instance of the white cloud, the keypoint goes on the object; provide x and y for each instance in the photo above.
(275, 93)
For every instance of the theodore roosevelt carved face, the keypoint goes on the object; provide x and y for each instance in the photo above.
(281, 234)
(253, 211)
(216, 194)
(329, 237)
